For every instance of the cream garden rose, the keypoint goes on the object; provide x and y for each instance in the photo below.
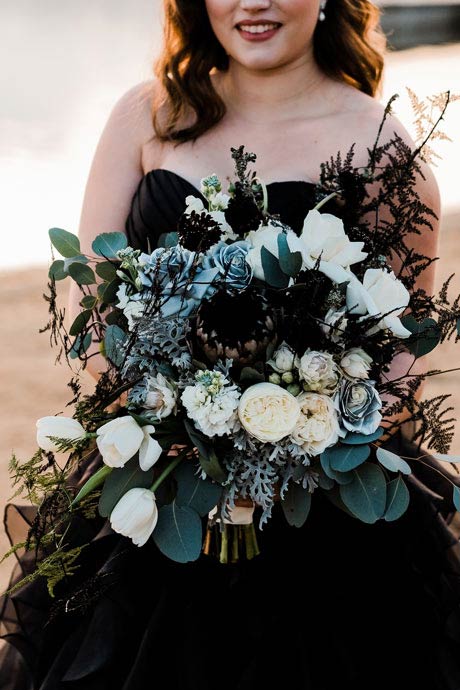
(319, 372)
(268, 412)
(318, 426)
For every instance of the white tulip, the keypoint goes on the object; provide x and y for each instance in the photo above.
(121, 438)
(135, 515)
(324, 236)
(62, 427)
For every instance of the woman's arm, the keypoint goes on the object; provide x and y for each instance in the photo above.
(114, 175)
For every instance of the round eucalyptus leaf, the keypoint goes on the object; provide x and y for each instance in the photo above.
(456, 497)
(200, 494)
(273, 274)
(296, 504)
(107, 244)
(88, 302)
(397, 499)
(339, 477)
(82, 274)
(106, 270)
(365, 496)
(392, 461)
(425, 335)
(346, 458)
(79, 346)
(443, 457)
(57, 271)
(178, 532)
(65, 242)
(80, 322)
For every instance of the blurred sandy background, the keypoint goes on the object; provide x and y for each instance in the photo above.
(63, 67)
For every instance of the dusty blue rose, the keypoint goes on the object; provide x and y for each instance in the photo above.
(170, 269)
(359, 403)
(230, 259)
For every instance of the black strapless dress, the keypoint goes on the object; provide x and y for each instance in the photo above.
(334, 604)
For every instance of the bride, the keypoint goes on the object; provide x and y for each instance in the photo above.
(336, 603)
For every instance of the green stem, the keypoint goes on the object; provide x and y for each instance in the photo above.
(93, 482)
(324, 201)
(168, 470)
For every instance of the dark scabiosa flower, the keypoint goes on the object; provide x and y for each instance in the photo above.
(242, 212)
(238, 326)
(198, 232)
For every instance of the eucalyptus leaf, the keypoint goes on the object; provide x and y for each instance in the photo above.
(114, 318)
(79, 258)
(296, 504)
(353, 438)
(168, 239)
(80, 322)
(57, 271)
(212, 466)
(392, 461)
(397, 499)
(346, 458)
(65, 242)
(426, 335)
(113, 342)
(106, 270)
(339, 477)
(121, 480)
(200, 494)
(108, 293)
(290, 262)
(88, 302)
(178, 533)
(365, 496)
(82, 274)
(443, 457)
(107, 244)
(80, 346)
(456, 497)
(334, 498)
(273, 274)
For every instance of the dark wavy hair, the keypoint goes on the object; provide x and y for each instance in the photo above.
(348, 46)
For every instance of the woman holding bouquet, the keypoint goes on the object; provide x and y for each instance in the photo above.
(336, 602)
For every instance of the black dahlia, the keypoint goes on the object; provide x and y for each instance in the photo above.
(198, 231)
(242, 212)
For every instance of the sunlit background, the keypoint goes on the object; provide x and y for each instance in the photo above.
(64, 64)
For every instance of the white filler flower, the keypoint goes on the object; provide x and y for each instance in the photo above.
(212, 403)
(268, 411)
(135, 515)
(121, 438)
(62, 427)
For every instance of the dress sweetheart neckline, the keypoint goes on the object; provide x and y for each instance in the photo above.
(190, 184)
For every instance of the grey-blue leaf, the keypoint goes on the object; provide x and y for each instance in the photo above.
(113, 342)
(296, 504)
(178, 532)
(107, 244)
(120, 481)
(346, 458)
(272, 272)
(65, 242)
(397, 499)
(339, 477)
(392, 461)
(200, 494)
(365, 496)
(353, 438)
(456, 497)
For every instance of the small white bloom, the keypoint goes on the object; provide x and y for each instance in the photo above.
(213, 413)
(319, 371)
(135, 515)
(284, 359)
(219, 202)
(379, 293)
(193, 203)
(318, 426)
(356, 363)
(324, 236)
(132, 305)
(267, 236)
(268, 412)
(121, 438)
(62, 427)
(161, 396)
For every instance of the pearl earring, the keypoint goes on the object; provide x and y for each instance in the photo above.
(322, 16)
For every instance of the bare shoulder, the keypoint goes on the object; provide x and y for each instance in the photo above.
(133, 109)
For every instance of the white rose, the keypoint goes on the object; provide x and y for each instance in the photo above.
(284, 359)
(317, 427)
(356, 363)
(379, 293)
(323, 235)
(319, 371)
(161, 396)
(135, 515)
(267, 236)
(120, 439)
(268, 412)
(62, 427)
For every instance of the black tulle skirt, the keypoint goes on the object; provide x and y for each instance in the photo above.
(334, 604)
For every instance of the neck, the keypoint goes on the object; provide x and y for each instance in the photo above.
(274, 95)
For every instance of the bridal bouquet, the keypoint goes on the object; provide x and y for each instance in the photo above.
(259, 352)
